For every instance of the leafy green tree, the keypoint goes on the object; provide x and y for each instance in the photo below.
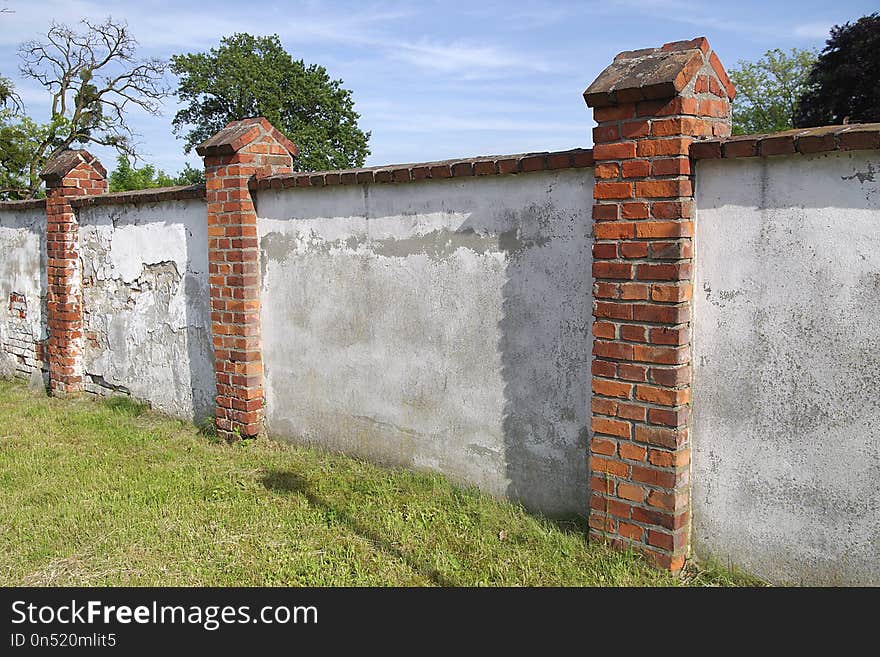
(127, 177)
(254, 76)
(768, 90)
(844, 84)
(92, 78)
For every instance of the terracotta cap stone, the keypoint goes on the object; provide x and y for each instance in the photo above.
(66, 161)
(648, 74)
(238, 134)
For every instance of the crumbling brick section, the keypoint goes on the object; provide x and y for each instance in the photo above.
(241, 152)
(650, 105)
(69, 175)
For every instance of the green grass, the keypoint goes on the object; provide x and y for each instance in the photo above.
(110, 493)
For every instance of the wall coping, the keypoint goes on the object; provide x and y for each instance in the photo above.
(486, 165)
(153, 195)
(852, 137)
(24, 204)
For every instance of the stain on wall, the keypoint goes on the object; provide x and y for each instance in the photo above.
(786, 440)
(442, 325)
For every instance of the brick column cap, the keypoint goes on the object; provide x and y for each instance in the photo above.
(238, 134)
(66, 161)
(654, 73)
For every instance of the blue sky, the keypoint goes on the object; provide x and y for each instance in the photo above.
(435, 80)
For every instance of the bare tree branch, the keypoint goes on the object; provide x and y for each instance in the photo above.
(94, 78)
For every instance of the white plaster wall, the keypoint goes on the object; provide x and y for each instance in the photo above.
(147, 305)
(786, 429)
(441, 325)
(22, 271)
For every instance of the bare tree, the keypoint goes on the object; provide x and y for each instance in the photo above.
(94, 78)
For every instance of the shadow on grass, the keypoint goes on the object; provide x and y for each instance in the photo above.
(289, 482)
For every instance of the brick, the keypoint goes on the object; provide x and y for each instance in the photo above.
(631, 452)
(661, 314)
(616, 350)
(665, 355)
(613, 230)
(664, 229)
(663, 188)
(663, 396)
(605, 170)
(635, 169)
(673, 166)
(611, 427)
(609, 466)
(634, 291)
(612, 388)
(661, 147)
(631, 492)
(603, 330)
(630, 372)
(666, 271)
(606, 133)
(633, 333)
(603, 290)
(670, 417)
(614, 151)
(671, 438)
(669, 459)
(670, 376)
(672, 209)
(605, 212)
(635, 129)
(633, 532)
(613, 310)
(612, 190)
(604, 251)
(634, 249)
(620, 112)
(638, 210)
(602, 446)
(603, 406)
(619, 270)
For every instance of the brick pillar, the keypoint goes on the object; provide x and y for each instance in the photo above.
(649, 105)
(70, 174)
(240, 152)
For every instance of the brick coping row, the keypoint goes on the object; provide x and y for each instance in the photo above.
(865, 136)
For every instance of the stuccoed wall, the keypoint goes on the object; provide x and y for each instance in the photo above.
(786, 457)
(22, 289)
(441, 325)
(147, 308)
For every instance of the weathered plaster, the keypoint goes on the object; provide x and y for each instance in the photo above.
(442, 325)
(147, 308)
(786, 463)
(22, 289)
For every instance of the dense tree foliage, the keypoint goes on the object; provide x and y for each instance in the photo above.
(844, 84)
(254, 76)
(768, 90)
(126, 177)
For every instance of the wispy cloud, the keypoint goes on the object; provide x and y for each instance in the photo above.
(812, 30)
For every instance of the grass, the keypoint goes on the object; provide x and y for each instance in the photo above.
(110, 493)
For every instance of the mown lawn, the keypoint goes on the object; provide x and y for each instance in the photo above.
(110, 493)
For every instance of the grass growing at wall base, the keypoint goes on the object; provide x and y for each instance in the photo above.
(109, 493)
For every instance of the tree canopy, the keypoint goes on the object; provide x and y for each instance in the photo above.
(254, 76)
(844, 84)
(92, 77)
(768, 90)
(127, 177)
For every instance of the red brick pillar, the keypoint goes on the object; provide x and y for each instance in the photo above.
(234, 156)
(649, 105)
(70, 174)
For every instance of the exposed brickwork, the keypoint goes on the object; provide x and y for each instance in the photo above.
(239, 153)
(854, 137)
(70, 175)
(650, 106)
(19, 340)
